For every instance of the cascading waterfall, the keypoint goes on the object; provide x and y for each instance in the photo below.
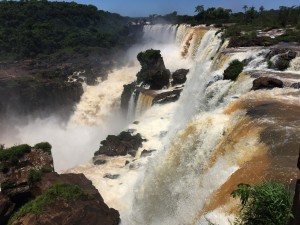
(160, 33)
(144, 102)
(217, 135)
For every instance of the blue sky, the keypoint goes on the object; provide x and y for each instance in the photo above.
(146, 7)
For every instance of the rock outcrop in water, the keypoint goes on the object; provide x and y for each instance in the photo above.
(153, 71)
(27, 173)
(179, 76)
(122, 144)
(266, 83)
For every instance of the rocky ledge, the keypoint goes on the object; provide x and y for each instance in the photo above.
(32, 194)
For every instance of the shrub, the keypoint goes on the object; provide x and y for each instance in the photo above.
(265, 204)
(282, 64)
(6, 185)
(270, 64)
(14, 153)
(36, 206)
(34, 176)
(233, 70)
(45, 146)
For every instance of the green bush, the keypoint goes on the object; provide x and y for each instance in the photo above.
(34, 176)
(282, 64)
(36, 206)
(14, 153)
(45, 146)
(233, 70)
(265, 204)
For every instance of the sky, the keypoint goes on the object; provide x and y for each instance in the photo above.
(135, 8)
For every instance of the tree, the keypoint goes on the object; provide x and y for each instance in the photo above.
(199, 9)
(245, 7)
(261, 9)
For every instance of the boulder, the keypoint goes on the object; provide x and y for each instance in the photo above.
(153, 71)
(179, 76)
(167, 96)
(146, 153)
(296, 85)
(121, 144)
(266, 83)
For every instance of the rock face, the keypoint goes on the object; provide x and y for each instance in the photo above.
(123, 144)
(38, 96)
(17, 164)
(88, 209)
(153, 71)
(26, 173)
(266, 83)
(246, 42)
(179, 77)
(128, 89)
(296, 85)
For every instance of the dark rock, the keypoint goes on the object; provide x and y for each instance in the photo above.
(136, 122)
(146, 153)
(99, 161)
(248, 42)
(296, 85)
(266, 83)
(153, 71)
(132, 152)
(131, 131)
(111, 176)
(167, 96)
(88, 209)
(6, 209)
(126, 162)
(179, 76)
(296, 205)
(128, 89)
(119, 145)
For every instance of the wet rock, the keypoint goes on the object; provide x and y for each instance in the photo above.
(132, 152)
(126, 162)
(266, 83)
(166, 97)
(111, 176)
(119, 145)
(296, 85)
(128, 89)
(99, 161)
(153, 71)
(146, 153)
(136, 122)
(179, 76)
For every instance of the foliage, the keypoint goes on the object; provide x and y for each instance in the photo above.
(282, 64)
(233, 70)
(45, 146)
(14, 153)
(31, 28)
(66, 191)
(264, 204)
(34, 176)
(2, 147)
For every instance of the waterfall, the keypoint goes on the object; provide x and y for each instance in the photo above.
(159, 33)
(217, 135)
(144, 102)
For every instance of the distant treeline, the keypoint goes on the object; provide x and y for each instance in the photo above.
(250, 16)
(30, 28)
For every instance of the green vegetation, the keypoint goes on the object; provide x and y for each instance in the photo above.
(66, 191)
(233, 70)
(265, 204)
(32, 28)
(34, 176)
(45, 146)
(14, 153)
(282, 64)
